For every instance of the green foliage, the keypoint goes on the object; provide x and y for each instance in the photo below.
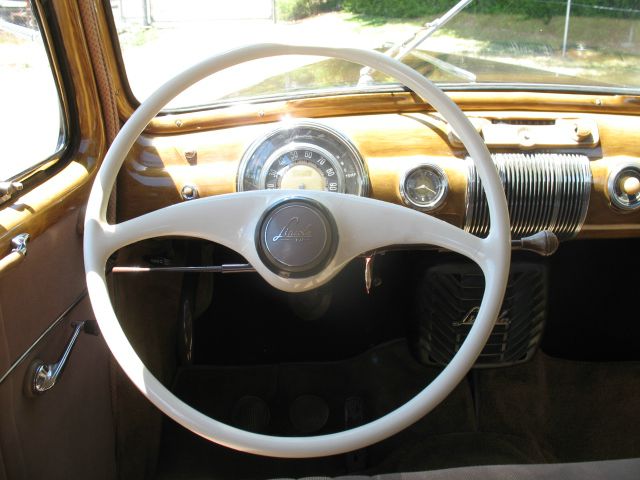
(397, 8)
(297, 9)
(528, 8)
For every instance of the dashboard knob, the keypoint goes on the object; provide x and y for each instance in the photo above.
(630, 185)
(189, 192)
(624, 186)
(582, 130)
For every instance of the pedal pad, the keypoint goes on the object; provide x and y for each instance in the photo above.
(309, 414)
(356, 461)
(251, 413)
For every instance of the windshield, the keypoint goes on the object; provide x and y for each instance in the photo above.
(558, 44)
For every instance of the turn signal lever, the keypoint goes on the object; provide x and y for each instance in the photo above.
(543, 243)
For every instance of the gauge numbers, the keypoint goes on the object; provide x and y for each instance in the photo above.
(303, 155)
(301, 166)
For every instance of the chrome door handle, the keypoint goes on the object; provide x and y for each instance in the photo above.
(45, 375)
(17, 253)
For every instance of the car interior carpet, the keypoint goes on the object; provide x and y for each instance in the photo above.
(383, 378)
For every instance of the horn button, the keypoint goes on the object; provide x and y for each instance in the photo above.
(296, 237)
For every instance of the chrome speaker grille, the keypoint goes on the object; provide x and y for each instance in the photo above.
(544, 192)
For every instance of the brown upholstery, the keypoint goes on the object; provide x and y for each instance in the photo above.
(628, 469)
(66, 433)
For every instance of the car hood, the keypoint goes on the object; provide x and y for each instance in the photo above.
(334, 73)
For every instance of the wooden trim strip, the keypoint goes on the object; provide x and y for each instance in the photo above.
(66, 190)
(379, 103)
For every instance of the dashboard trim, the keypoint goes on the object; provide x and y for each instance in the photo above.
(239, 114)
(389, 144)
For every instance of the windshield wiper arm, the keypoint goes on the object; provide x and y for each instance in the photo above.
(400, 50)
(446, 66)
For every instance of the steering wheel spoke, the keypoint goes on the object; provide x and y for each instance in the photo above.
(226, 219)
(395, 226)
(232, 220)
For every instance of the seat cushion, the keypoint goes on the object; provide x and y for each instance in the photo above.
(628, 469)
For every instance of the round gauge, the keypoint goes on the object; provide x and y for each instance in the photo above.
(302, 166)
(424, 187)
(303, 155)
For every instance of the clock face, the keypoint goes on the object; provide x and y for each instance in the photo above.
(424, 187)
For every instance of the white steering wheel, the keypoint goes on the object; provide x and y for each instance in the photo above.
(348, 226)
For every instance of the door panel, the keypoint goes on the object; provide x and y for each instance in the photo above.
(67, 432)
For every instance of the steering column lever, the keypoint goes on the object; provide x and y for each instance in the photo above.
(368, 272)
(543, 243)
(224, 268)
(370, 280)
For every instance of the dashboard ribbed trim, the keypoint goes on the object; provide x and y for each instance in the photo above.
(544, 192)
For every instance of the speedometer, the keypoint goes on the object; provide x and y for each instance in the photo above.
(303, 155)
(303, 166)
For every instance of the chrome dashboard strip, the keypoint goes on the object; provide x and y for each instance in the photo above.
(544, 192)
(53, 325)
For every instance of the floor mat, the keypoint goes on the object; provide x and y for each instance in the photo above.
(576, 411)
(382, 378)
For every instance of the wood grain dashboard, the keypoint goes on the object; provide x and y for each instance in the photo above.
(160, 165)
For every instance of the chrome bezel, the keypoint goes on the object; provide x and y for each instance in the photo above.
(441, 195)
(189, 192)
(361, 169)
(615, 197)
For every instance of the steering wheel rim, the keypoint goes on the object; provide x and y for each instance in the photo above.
(492, 254)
